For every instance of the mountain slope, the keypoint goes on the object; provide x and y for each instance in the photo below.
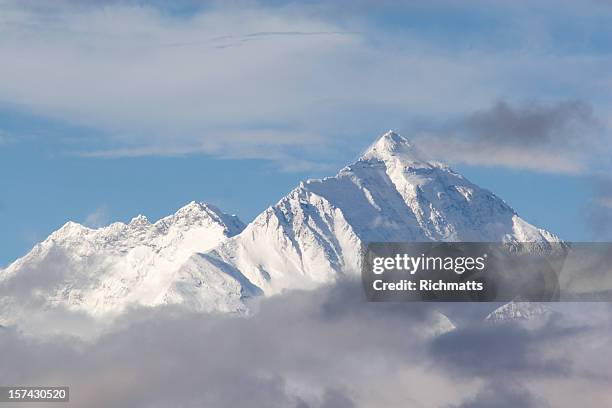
(203, 259)
(102, 271)
(317, 232)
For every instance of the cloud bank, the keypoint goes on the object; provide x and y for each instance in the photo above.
(285, 81)
(323, 348)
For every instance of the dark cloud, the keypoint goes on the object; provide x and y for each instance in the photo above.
(502, 395)
(336, 399)
(531, 124)
(289, 353)
(502, 349)
(325, 348)
(566, 137)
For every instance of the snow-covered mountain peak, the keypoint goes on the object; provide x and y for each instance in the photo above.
(317, 232)
(69, 229)
(71, 226)
(195, 207)
(198, 213)
(520, 310)
(140, 221)
(103, 270)
(207, 260)
(393, 147)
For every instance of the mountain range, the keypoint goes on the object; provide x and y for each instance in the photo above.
(206, 260)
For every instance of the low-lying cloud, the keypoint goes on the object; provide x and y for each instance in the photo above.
(502, 395)
(324, 348)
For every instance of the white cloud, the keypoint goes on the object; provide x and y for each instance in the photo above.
(98, 218)
(222, 80)
(156, 82)
(605, 202)
(323, 348)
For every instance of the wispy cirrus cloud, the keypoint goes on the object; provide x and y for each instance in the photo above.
(288, 149)
(97, 218)
(168, 80)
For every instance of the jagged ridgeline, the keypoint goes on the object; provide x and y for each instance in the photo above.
(206, 260)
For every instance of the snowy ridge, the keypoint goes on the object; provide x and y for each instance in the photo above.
(317, 232)
(517, 311)
(102, 271)
(206, 260)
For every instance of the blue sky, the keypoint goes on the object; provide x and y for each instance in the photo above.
(111, 109)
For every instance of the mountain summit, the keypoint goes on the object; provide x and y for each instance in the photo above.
(391, 146)
(317, 232)
(102, 271)
(203, 259)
